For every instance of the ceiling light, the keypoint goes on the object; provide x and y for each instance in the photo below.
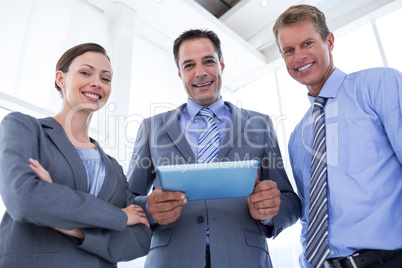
(158, 1)
(264, 3)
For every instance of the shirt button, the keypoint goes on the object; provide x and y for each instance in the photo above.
(331, 252)
(200, 219)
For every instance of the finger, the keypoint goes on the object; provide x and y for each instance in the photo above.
(39, 170)
(166, 217)
(250, 204)
(162, 196)
(31, 161)
(144, 220)
(267, 203)
(265, 195)
(141, 213)
(162, 204)
(165, 207)
(265, 185)
(136, 208)
(36, 164)
(169, 195)
(268, 213)
(256, 180)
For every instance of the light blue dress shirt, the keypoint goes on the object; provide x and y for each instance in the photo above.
(363, 117)
(192, 125)
(95, 168)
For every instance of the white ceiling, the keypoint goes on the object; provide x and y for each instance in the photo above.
(245, 30)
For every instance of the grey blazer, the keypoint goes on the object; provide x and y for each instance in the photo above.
(236, 239)
(33, 205)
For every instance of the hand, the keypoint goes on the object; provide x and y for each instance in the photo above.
(77, 233)
(136, 215)
(265, 200)
(165, 206)
(39, 170)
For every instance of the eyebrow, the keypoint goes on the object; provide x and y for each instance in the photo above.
(209, 57)
(185, 62)
(283, 49)
(93, 68)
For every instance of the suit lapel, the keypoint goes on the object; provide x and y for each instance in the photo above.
(239, 119)
(57, 134)
(111, 176)
(172, 126)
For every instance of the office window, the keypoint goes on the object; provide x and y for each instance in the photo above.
(357, 50)
(388, 29)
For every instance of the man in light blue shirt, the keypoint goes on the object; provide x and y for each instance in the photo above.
(363, 122)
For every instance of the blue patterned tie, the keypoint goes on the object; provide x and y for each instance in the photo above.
(208, 143)
(317, 235)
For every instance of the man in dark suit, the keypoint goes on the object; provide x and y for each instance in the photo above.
(220, 232)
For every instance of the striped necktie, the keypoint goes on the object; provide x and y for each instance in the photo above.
(317, 235)
(208, 143)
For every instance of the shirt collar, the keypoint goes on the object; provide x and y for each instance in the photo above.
(218, 108)
(331, 86)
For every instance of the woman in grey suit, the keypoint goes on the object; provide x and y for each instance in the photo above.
(74, 209)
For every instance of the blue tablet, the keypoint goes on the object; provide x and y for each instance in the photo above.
(210, 181)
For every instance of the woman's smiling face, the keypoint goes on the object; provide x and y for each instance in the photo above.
(87, 82)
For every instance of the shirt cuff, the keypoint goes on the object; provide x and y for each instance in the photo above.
(267, 226)
(152, 222)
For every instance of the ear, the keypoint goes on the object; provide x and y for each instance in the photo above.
(60, 79)
(331, 40)
(222, 63)
(179, 73)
